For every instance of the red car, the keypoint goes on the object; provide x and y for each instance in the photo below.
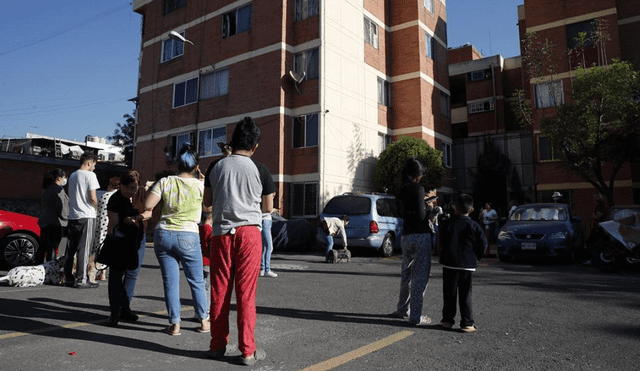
(19, 238)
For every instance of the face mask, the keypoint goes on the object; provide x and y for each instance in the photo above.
(64, 182)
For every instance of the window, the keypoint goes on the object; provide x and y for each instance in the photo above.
(185, 92)
(306, 9)
(304, 199)
(305, 131)
(306, 61)
(430, 45)
(480, 75)
(549, 94)
(446, 155)
(574, 30)
(547, 151)
(384, 92)
(445, 107)
(215, 84)
(176, 142)
(444, 2)
(383, 141)
(236, 21)
(370, 32)
(169, 6)
(482, 106)
(208, 141)
(172, 48)
(429, 5)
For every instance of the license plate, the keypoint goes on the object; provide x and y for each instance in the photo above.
(528, 246)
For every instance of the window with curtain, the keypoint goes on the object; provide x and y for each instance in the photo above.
(172, 48)
(307, 61)
(185, 92)
(208, 139)
(429, 5)
(236, 21)
(549, 94)
(215, 84)
(384, 93)
(430, 45)
(304, 199)
(306, 9)
(370, 32)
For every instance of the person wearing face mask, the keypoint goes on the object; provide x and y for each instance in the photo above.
(54, 214)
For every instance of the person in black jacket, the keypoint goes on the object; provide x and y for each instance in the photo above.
(463, 244)
(416, 244)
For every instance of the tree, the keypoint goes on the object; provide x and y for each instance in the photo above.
(123, 137)
(388, 172)
(600, 125)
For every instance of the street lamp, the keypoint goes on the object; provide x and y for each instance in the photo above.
(176, 36)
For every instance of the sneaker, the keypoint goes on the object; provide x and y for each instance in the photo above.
(468, 329)
(69, 283)
(262, 273)
(112, 321)
(128, 315)
(424, 320)
(270, 274)
(397, 314)
(217, 354)
(447, 325)
(88, 285)
(251, 360)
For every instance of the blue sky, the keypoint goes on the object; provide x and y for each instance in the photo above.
(68, 67)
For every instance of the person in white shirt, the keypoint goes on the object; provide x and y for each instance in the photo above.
(83, 202)
(330, 227)
(490, 220)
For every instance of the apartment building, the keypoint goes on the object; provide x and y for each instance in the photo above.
(560, 22)
(330, 83)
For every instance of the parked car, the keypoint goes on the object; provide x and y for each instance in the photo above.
(292, 234)
(374, 221)
(541, 230)
(19, 238)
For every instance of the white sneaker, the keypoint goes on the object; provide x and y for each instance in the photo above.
(271, 274)
(262, 273)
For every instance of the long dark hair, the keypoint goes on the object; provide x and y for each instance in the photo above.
(51, 176)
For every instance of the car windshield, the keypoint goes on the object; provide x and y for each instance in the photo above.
(539, 214)
(348, 206)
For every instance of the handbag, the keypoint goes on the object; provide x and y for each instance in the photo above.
(119, 251)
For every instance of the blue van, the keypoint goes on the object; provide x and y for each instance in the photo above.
(374, 221)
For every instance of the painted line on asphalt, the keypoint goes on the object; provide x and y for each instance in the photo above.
(360, 352)
(73, 325)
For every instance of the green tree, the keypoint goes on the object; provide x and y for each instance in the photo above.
(600, 125)
(388, 172)
(123, 137)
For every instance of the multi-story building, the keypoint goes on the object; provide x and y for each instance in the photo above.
(493, 156)
(561, 22)
(330, 83)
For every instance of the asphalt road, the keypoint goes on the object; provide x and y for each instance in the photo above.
(317, 316)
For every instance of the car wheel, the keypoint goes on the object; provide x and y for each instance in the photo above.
(386, 249)
(18, 249)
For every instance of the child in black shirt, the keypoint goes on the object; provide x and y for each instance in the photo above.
(463, 244)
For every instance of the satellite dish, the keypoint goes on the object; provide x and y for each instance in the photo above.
(297, 79)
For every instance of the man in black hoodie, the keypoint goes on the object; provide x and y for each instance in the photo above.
(463, 244)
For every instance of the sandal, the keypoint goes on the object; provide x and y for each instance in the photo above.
(171, 330)
(205, 326)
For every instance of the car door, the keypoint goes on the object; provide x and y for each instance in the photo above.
(388, 218)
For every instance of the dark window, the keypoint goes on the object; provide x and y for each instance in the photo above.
(547, 151)
(348, 205)
(169, 6)
(236, 21)
(306, 9)
(185, 92)
(574, 30)
(304, 199)
(305, 131)
(387, 207)
(306, 62)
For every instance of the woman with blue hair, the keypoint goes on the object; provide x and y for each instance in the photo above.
(177, 239)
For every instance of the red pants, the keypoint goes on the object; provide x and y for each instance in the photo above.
(235, 256)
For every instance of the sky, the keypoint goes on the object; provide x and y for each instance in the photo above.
(68, 67)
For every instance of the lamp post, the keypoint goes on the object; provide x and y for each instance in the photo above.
(176, 36)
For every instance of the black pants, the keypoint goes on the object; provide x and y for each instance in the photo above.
(50, 237)
(118, 300)
(457, 283)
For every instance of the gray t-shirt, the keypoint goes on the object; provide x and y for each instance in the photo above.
(81, 183)
(236, 192)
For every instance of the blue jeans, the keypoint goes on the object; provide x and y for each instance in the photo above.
(173, 248)
(416, 266)
(131, 276)
(325, 239)
(267, 245)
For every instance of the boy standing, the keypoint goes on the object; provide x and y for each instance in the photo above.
(463, 244)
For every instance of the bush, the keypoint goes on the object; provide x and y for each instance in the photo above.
(388, 170)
